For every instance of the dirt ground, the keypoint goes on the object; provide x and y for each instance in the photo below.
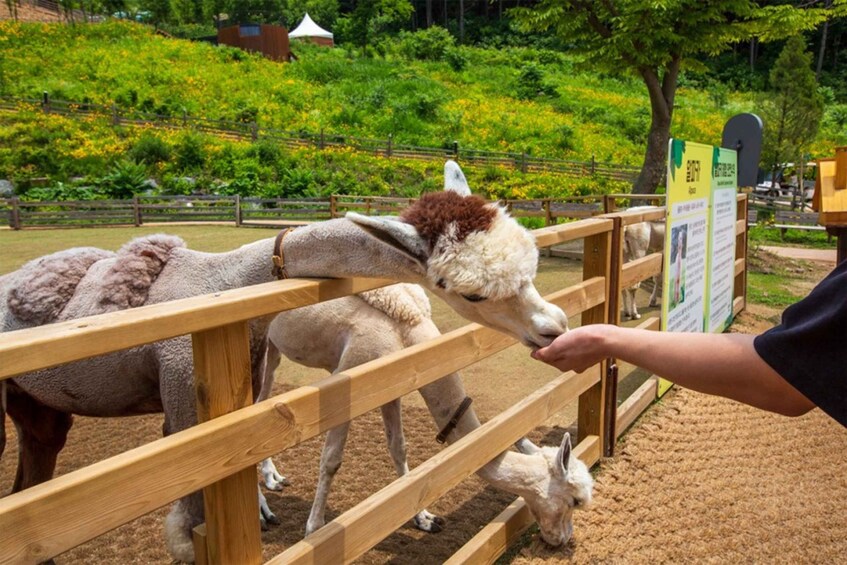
(696, 479)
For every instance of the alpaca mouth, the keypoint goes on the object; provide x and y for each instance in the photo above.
(540, 341)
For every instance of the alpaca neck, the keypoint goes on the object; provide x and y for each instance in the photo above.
(511, 472)
(339, 248)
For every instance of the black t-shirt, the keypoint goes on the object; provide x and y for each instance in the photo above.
(809, 348)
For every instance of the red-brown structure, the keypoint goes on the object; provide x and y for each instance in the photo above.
(269, 40)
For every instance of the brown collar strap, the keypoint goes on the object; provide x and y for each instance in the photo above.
(278, 270)
(454, 421)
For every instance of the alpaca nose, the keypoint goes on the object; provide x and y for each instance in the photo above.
(551, 323)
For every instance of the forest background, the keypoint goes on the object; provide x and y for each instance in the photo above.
(420, 72)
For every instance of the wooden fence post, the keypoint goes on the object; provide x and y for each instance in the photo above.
(740, 286)
(322, 140)
(136, 211)
(593, 164)
(116, 118)
(254, 131)
(222, 378)
(45, 102)
(238, 218)
(388, 151)
(333, 206)
(610, 412)
(523, 162)
(591, 409)
(15, 217)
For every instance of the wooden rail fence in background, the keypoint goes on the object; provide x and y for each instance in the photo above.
(387, 148)
(220, 453)
(265, 212)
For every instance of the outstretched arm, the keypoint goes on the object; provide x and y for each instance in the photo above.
(721, 364)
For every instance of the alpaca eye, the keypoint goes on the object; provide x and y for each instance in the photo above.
(473, 297)
(440, 283)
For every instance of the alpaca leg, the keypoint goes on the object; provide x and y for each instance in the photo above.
(392, 419)
(333, 453)
(654, 296)
(42, 432)
(270, 476)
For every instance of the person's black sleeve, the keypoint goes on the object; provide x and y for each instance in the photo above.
(809, 348)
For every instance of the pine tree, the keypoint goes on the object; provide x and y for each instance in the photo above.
(792, 111)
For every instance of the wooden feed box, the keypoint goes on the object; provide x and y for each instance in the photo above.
(830, 198)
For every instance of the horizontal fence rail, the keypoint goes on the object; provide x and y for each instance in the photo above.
(251, 131)
(45, 520)
(264, 212)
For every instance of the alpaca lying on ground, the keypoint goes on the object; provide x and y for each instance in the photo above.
(640, 240)
(349, 331)
(470, 253)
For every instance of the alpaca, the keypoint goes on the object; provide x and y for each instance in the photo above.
(640, 240)
(349, 331)
(472, 254)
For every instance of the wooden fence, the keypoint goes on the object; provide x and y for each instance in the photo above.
(264, 212)
(387, 148)
(220, 453)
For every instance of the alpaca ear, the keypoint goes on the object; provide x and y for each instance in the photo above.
(454, 179)
(564, 455)
(401, 236)
(526, 447)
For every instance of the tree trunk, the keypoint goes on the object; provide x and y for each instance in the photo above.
(823, 45)
(428, 13)
(461, 21)
(661, 104)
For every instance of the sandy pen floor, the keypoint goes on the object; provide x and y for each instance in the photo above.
(702, 479)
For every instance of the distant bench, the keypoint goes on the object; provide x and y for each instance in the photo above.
(792, 220)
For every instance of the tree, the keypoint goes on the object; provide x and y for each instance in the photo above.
(371, 17)
(654, 38)
(323, 12)
(793, 108)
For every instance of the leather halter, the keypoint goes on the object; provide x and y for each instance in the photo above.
(454, 421)
(278, 258)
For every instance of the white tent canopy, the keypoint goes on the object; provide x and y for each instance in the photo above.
(308, 28)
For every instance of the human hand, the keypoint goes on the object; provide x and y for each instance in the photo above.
(577, 349)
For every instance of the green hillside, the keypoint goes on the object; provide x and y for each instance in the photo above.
(519, 100)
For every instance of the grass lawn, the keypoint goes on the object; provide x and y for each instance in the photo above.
(761, 235)
(18, 247)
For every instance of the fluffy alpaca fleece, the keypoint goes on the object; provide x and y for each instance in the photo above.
(41, 288)
(493, 263)
(403, 303)
(136, 267)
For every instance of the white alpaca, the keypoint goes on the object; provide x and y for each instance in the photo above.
(640, 240)
(470, 253)
(350, 331)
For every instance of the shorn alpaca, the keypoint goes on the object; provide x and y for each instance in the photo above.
(468, 252)
(640, 240)
(350, 331)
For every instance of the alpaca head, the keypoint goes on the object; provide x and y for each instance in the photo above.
(565, 486)
(475, 257)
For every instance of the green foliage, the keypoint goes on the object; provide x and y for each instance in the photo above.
(431, 44)
(190, 154)
(150, 149)
(792, 111)
(60, 192)
(124, 179)
(531, 83)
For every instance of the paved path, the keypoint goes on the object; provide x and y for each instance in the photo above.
(826, 255)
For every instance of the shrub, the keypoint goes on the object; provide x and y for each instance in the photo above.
(124, 179)
(431, 44)
(150, 149)
(190, 153)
